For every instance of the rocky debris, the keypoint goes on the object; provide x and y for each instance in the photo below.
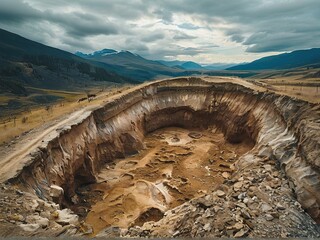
(36, 219)
(220, 193)
(23, 214)
(253, 203)
(30, 227)
(109, 232)
(66, 217)
(56, 191)
(195, 135)
(226, 175)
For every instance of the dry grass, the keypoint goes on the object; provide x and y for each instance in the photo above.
(307, 90)
(14, 126)
(301, 83)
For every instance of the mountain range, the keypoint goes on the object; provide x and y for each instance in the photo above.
(131, 65)
(25, 63)
(290, 60)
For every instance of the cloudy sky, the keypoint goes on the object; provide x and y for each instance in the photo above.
(205, 31)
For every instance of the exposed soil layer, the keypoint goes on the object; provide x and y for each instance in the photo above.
(176, 166)
(119, 153)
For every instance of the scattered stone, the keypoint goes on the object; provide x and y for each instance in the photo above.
(240, 233)
(280, 207)
(16, 217)
(30, 227)
(207, 227)
(265, 207)
(75, 199)
(195, 135)
(56, 191)
(225, 175)
(241, 196)
(268, 167)
(238, 226)
(220, 193)
(66, 217)
(237, 186)
(36, 219)
(217, 208)
(269, 217)
(245, 214)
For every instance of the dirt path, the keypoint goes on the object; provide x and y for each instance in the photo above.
(13, 158)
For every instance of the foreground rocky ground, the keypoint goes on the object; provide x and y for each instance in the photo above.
(256, 201)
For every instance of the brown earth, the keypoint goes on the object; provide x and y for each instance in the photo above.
(172, 169)
(182, 157)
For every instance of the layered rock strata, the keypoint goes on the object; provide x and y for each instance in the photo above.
(284, 130)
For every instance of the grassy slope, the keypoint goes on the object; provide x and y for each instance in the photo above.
(26, 65)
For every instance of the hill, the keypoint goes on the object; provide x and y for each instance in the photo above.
(290, 60)
(27, 63)
(131, 65)
(186, 65)
(33, 74)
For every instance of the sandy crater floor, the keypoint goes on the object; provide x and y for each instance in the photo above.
(175, 166)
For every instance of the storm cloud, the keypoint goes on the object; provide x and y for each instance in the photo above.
(203, 31)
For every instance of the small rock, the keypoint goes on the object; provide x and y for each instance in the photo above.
(225, 175)
(238, 226)
(220, 193)
(16, 217)
(75, 199)
(245, 214)
(240, 233)
(265, 207)
(66, 217)
(176, 233)
(268, 167)
(216, 209)
(36, 219)
(30, 227)
(56, 191)
(269, 217)
(237, 186)
(280, 207)
(207, 227)
(208, 213)
(241, 196)
(195, 135)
